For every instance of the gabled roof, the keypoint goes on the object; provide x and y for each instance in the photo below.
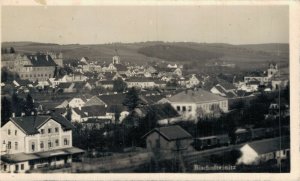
(195, 96)
(270, 145)
(139, 79)
(41, 60)
(94, 101)
(161, 111)
(31, 124)
(120, 67)
(64, 85)
(227, 85)
(106, 82)
(94, 110)
(171, 133)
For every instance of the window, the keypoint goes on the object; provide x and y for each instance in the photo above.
(42, 131)
(178, 108)
(56, 142)
(49, 144)
(66, 141)
(8, 145)
(5, 167)
(183, 108)
(42, 145)
(32, 147)
(16, 145)
(49, 130)
(190, 108)
(4, 142)
(8, 131)
(16, 131)
(22, 166)
(56, 130)
(17, 167)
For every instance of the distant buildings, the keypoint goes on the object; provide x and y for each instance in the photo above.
(262, 77)
(32, 142)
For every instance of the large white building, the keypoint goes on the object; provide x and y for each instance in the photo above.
(32, 142)
(192, 104)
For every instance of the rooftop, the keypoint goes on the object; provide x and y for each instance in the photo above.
(195, 96)
(31, 124)
(171, 133)
(270, 145)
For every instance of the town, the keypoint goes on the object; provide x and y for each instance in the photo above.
(89, 115)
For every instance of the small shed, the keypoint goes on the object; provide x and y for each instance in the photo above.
(169, 138)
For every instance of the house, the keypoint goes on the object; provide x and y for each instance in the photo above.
(192, 81)
(107, 84)
(168, 139)
(32, 142)
(66, 87)
(94, 123)
(83, 64)
(35, 67)
(224, 89)
(261, 151)
(81, 114)
(192, 104)
(263, 77)
(121, 69)
(164, 113)
(140, 82)
(113, 103)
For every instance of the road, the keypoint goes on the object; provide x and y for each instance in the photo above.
(129, 162)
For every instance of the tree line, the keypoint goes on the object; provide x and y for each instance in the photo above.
(16, 105)
(8, 50)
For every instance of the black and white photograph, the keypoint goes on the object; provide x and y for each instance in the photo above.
(145, 89)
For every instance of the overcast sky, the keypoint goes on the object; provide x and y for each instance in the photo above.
(106, 24)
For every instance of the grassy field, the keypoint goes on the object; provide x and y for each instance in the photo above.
(244, 56)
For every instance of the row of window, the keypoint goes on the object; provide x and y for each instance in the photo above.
(50, 144)
(9, 132)
(9, 145)
(184, 108)
(35, 75)
(56, 130)
(16, 167)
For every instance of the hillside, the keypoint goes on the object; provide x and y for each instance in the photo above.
(179, 52)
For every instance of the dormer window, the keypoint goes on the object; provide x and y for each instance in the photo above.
(56, 130)
(49, 130)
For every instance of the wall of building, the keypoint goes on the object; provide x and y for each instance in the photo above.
(16, 136)
(47, 138)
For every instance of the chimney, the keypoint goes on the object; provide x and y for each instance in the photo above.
(13, 115)
(32, 113)
(22, 114)
(79, 107)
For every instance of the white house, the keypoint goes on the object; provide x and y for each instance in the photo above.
(261, 151)
(197, 103)
(32, 142)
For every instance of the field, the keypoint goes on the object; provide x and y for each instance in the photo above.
(195, 54)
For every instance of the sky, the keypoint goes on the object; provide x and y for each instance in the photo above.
(108, 24)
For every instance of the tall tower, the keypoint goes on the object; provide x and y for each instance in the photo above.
(116, 58)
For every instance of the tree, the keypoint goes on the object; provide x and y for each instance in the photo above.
(17, 104)
(132, 99)
(12, 50)
(119, 85)
(69, 114)
(29, 105)
(6, 110)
